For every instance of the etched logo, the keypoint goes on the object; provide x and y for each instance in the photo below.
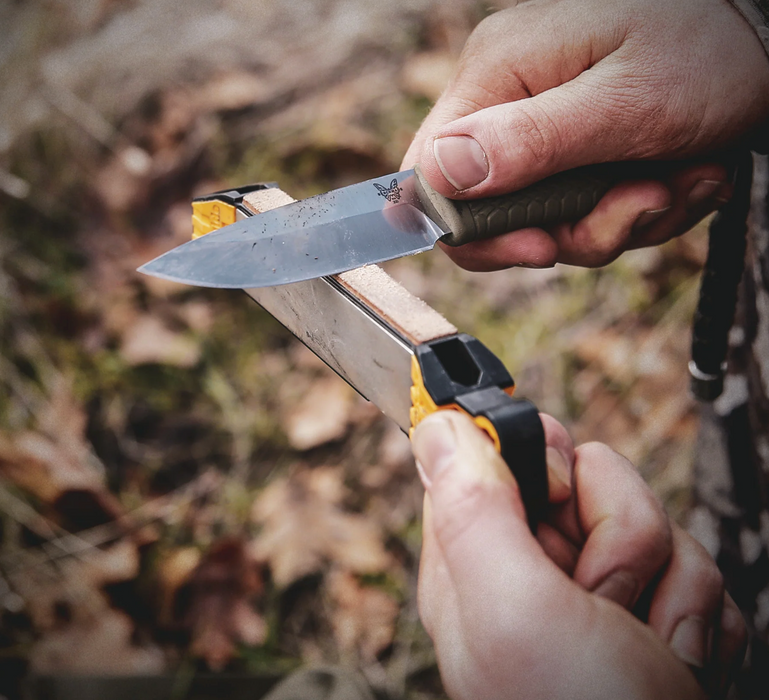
(392, 193)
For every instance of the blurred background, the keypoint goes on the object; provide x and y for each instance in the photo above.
(186, 493)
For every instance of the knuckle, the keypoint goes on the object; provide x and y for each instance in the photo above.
(643, 520)
(532, 136)
(606, 246)
(652, 528)
(700, 569)
(597, 452)
(495, 24)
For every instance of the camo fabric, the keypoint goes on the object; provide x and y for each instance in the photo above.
(732, 463)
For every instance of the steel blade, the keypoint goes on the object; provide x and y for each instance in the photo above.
(365, 223)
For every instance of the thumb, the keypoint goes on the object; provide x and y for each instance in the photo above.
(477, 517)
(508, 146)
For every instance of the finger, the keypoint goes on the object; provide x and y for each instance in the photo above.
(532, 247)
(559, 452)
(604, 234)
(686, 605)
(627, 532)
(631, 215)
(695, 192)
(506, 600)
(528, 62)
(731, 647)
(563, 552)
(502, 148)
(596, 240)
(519, 52)
(478, 518)
(435, 595)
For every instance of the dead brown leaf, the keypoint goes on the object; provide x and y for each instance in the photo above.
(220, 595)
(304, 526)
(363, 618)
(55, 458)
(322, 415)
(113, 564)
(174, 570)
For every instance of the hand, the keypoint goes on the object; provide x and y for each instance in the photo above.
(549, 85)
(512, 615)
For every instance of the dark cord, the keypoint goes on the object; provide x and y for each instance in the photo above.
(720, 283)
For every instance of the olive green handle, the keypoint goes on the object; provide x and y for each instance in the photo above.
(561, 198)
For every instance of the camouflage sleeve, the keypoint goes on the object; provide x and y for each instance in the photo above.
(756, 12)
(731, 513)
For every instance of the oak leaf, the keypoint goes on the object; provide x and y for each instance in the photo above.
(304, 526)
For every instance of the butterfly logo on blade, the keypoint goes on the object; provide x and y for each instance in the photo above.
(392, 193)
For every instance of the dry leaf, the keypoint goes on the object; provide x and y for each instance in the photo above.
(304, 526)
(56, 458)
(174, 570)
(100, 645)
(322, 416)
(38, 465)
(113, 564)
(148, 340)
(364, 617)
(220, 595)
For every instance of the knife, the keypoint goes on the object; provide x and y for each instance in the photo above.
(394, 349)
(370, 222)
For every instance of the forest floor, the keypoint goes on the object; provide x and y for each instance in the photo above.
(184, 488)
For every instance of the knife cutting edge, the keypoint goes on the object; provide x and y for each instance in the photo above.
(371, 222)
(393, 348)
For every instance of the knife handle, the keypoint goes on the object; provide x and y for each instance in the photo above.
(565, 197)
(459, 373)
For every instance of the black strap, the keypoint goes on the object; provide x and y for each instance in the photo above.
(720, 284)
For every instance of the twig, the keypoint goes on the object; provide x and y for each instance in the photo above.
(79, 544)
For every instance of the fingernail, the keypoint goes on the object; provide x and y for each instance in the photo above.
(732, 624)
(648, 218)
(706, 192)
(435, 445)
(559, 474)
(536, 266)
(461, 160)
(689, 641)
(731, 618)
(620, 587)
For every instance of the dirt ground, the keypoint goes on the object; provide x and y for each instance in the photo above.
(185, 489)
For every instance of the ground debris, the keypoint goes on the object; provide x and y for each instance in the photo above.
(217, 601)
(305, 527)
(100, 644)
(363, 617)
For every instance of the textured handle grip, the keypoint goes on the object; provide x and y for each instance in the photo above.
(565, 197)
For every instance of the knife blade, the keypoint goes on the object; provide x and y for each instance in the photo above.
(374, 221)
